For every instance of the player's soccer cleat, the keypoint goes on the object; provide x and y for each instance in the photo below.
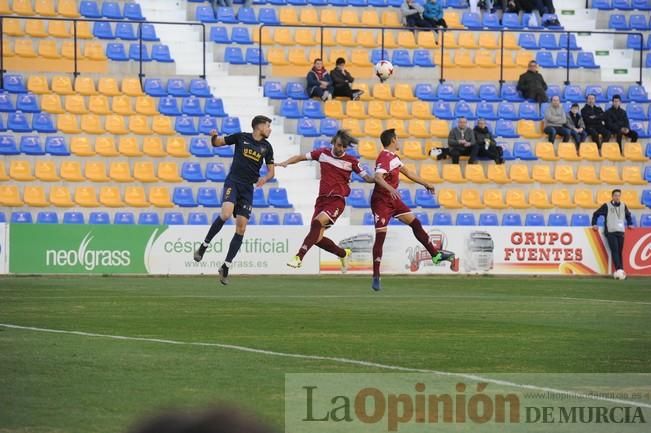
(223, 274)
(443, 256)
(376, 284)
(295, 262)
(198, 255)
(344, 260)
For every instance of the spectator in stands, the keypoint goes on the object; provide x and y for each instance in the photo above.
(488, 148)
(556, 121)
(319, 82)
(577, 126)
(593, 117)
(216, 4)
(433, 14)
(617, 218)
(412, 14)
(532, 84)
(461, 141)
(617, 122)
(343, 81)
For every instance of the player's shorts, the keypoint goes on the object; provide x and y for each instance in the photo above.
(333, 206)
(385, 208)
(241, 195)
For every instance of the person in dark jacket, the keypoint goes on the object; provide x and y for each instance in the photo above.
(593, 117)
(433, 13)
(343, 81)
(461, 141)
(412, 13)
(488, 148)
(577, 126)
(319, 83)
(532, 84)
(617, 122)
(617, 218)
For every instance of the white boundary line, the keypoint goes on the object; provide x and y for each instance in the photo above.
(330, 359)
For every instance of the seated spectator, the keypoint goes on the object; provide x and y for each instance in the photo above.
(532, 84)
(593, 117)
(556, 121)
(343, 81)
(412, 13)
(577, 126)
(433, 14)
(216, 4)
(617, 122)
(488, 148)
(461, 141)
(319, 83)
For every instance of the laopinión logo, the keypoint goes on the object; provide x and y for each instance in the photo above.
(87, 257)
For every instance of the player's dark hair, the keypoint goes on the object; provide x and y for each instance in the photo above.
(590, 94)
(317, 60)
(575, 105)
(387, 136)
(616, 190)
(532, 62)
(344, 136)
(340, 61)
(617, 97)
(257, 120)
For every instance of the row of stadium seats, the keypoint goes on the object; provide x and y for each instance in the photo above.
(635, 22)
(134, 196)
(64, 29)
(45, 8)
(458, 4)
(624, 5)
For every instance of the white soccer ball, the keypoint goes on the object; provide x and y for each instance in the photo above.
(619, 274)
(383, 69)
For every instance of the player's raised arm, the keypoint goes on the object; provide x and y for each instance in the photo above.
(379, 180)
(413, 176)
(368, 178)
(292, 160)
(216, 140)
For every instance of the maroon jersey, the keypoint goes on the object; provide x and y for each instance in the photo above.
(389, 164)
(335, 172)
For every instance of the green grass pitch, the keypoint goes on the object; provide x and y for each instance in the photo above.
(65, 382)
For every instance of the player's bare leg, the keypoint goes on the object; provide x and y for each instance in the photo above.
(226, 213)
(234, 247)
(421, 235)
(315, 237)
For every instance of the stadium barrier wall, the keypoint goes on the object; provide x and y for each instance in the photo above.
(167, 250)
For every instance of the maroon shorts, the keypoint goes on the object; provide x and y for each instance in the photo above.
(333, 206)
(385, 208)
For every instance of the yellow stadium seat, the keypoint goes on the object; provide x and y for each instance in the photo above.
(334, 109)
(634, 152)
(20, 170)
(45, 8)
(382, 91)
(366, 39)
(529, 129)
(309, 17)
(177, 147)
(267, 38)
(452, 173)
(62, 85)
(426, 40)
(160, 197)
(95, 171)
(122, 105)
(610, 175)
(368, 149)
(471, 199)
(353, 126)
(516, 199)
(378, 110)
(38, 84)
(562, 199)
(391, 19)
(36, 29)
(399, 126)
(35, 196)
(7, 50)
(349, 17)
(108, 86)
(153, 146)
(611, 152)
(366, 96)
(144, 172)
(134, 196)
(128, 146)
(404, 92)
(86, 196)
(85, 86)
(448, 198)
(487, 40)
(46, 171)
(91, 124)
(146, 105)
(71, 171)
(114, 124)
(12, 27)
(345, 38)
(68, 8)
(131, 87)
(297, 57)
(105, 146)
(360, 58)
(370, 18)
(418, 128)
(283, 36)
(484, 59)
(67, 123)
(497, 174)
(508, 59)
(407, 40)
(633, 175)
(109, 196)
(520, 173)
(75, 104)
(276, 56)
(510, 42)
(94, 51)
(632, 200)
(98, 104)
(541, 173)
(3, 173)
(399, 110)
(373, 128)
(565, 174)
(328, 41)
(413, 150)
(587, 174)
(139, 124)
(522, 58)
(80, 146)
(120, 171)
(51, 104)
(567, 152)
(590, 152)
(59, 29)
(467, 40)
(329, 17)
(168, 172)
(163, 125)
(545, 151)
(421, 110)
(10, 196)
(439, 128)
(4, 7)
(288, 16)
(356, 110)
(68, 51)
(452, 20)
(447, 60)
(463, 59)
(430, 173)
(24, 48)
(60, 196)
(23, 7)
(475, 173)
(493, 199)
(538, 198)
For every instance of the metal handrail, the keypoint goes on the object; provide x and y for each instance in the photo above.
(74, 21)
(443, 31)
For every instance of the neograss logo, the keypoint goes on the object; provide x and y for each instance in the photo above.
(86, 257)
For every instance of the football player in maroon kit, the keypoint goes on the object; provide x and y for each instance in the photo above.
(336, 169)
(386, 204)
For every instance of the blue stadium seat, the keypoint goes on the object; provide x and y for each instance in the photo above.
(3, 218)
(215, 107)
(551, 17)
(208, 197)
(278, 198)
(148, 32)
(55, 145)
(423, 59)
(486, 110)
(465, 219)
(638, 22)
(463, 109)
(562, 59)
(8, 145)
(642, 5)
(139, 52)
(425, 92)
(227, 15)
(219, 35)
(21, 218)
(200, 147)
(184, 125)
(99, 218)
(320, 144)
(562, 42)
(103, 30)
(506, 129)
(373, 3)
(646, 198)
(616, 90)
(27, 103)
(586, 60)
(183, 197)
(259, 198)
(401, 58)
(14, 83)
(269, 219)
(531, 22)
(580, 220)
(511, 21)
(528, 41)
(645, 220)
(378, 54)
(488, 219)
(647, 173)
(446, 92)
(548, 41)
(506, 110)
(595, 90)
(617, 22)
(313, 109)
(635, 42)
(358, 198)
(154, 87)
(89, 9)
(192, 106)
(545, 59)
(635, 111)
(73, 218)
(491, 21)
(254, 56)
(534, 220)
(17, 122)
(274, 90)
(647, 62)
(148, 218)
(47, 218)
(296, 91)
(31, 145)
(405, 196)
(354, 3)
(207, 124)
(168, 106)
(268, 16)
(511, 219)
(468, 93)
(133, 12)
(191, 172)
(622, 5)
(471, 20)
(198, 219)
(489, 93)
(6, 104)
(443, 110)
(639, 128)
(241, 36)
(234, 56)
(125, 32)
(647, 152)
(231, 125)
(636, 93)
(2, 125)
(216, 172)
(115, 51)
(529, 111)
(111, 10)
(368, 220)
(289, 108)
(292, 219)
(205, 14)
(442, 219)
(573, 93)
(161, 53)
(557, 220)
(173, 219)
(522, 150)
(124, 218)
(246, 16)
(604, 5)
(328, 127)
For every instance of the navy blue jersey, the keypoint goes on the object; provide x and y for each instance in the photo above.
(248, 157)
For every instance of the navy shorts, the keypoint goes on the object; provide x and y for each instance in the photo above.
(241, 195)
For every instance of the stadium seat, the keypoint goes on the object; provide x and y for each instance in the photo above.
(8, 145)
(168, 106)
(534, 220)
(191, 172)
(120, 171)
(34, 196)
(425, 199)
(511, 21)
(584, 198)
(95, 171)
(358, 198)
(21, 218)
(269, 219)
(586, 60)
(442, 219)
(471, 199)
(488, 219)
(448, 198)
(511, 219)
(73, 218)
(124, 218)
(465, 219)
(277, 197)
(197, 219)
